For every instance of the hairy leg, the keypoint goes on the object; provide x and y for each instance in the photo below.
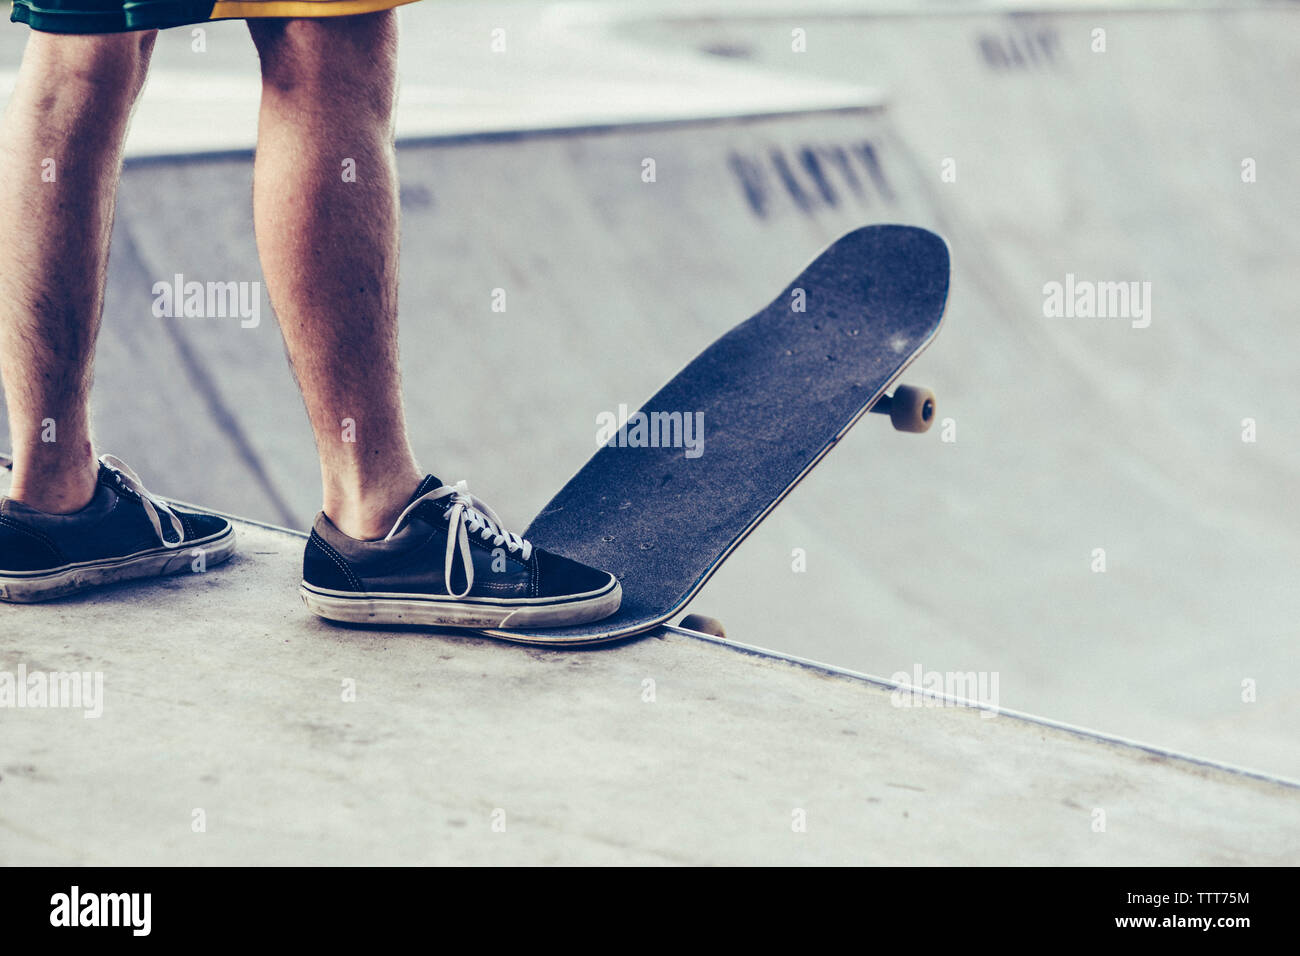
(60, 157)
(326, 214)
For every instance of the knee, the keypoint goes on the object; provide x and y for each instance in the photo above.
(104, 68)
(331, 62)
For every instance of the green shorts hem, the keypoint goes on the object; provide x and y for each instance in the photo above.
(109, 16)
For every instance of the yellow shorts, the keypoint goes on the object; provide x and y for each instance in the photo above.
(242, 9)
(117, 16)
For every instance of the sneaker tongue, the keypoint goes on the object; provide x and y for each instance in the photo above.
(428, 484)
(427, 510)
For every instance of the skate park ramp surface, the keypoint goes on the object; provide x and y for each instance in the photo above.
(270, 737)
(1085, 522)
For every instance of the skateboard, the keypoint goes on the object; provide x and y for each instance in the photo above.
(682, 483)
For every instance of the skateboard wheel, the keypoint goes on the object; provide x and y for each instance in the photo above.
(912, 409)
(705, 625)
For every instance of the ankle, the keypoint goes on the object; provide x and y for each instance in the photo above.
(55, 492)
(369, 513)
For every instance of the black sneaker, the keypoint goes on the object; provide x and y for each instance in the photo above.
(123, 534)
(448, 562)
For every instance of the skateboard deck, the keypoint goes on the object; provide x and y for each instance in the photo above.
(773, 396)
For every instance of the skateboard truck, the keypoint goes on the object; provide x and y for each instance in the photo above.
(910, 409)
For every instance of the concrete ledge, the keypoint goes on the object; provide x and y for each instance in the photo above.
(222, 695)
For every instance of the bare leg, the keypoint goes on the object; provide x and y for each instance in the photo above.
(65, 122)
(328, 243)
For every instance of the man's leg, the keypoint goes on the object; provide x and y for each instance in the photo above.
(329, 253)
(60, 157)
(328, 243)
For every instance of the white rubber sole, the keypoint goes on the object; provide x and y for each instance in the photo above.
(30, 587)
(349, 607)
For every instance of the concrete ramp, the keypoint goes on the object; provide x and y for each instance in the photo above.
(1074, 444)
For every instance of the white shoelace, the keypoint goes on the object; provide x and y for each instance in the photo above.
(466, 511)
(154, 507)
